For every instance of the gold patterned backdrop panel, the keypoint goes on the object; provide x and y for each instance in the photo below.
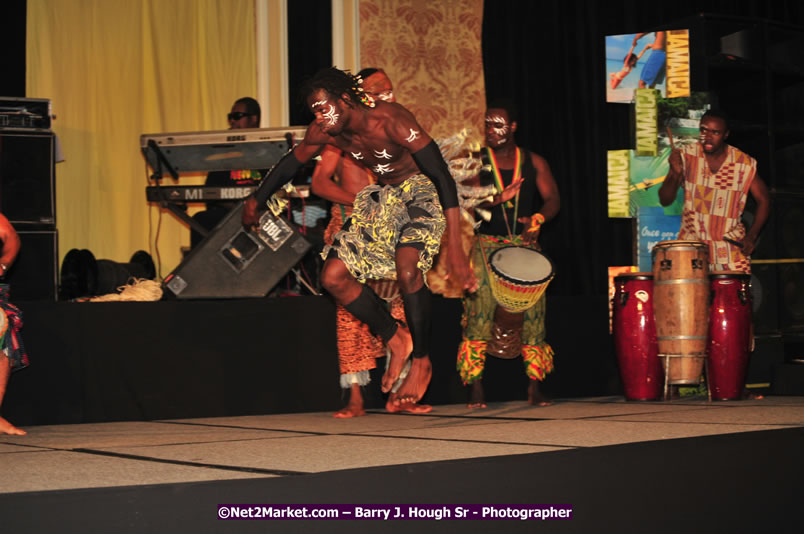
(432, 53)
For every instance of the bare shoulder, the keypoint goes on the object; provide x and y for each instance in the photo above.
(539, 162)
(401, 126)
(5, 228)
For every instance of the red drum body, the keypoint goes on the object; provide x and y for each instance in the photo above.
(729, 334)
(635, 337)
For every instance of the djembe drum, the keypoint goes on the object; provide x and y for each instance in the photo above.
(729, 334)
(518, 278)
(634, 332)
(681, 308)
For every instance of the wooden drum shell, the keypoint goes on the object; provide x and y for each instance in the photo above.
(681, 308)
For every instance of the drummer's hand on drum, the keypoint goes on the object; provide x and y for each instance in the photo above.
(532, 228)
(530, 233)
(251, 216)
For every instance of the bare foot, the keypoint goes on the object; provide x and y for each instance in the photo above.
(8, 428)
(477, 398)
(415, 385)
(349, 411)
(400, 345)
(355, 406)
(750, 395)
(411, 407)
(535, 397)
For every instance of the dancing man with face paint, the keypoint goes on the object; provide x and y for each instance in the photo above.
(339, 179)
(527, 197)
(717, 178)
(396, 226)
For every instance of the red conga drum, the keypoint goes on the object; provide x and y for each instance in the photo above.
(635, 337)
(729, 334)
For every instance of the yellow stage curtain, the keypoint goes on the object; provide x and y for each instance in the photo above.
(432, 53)
(115, 69)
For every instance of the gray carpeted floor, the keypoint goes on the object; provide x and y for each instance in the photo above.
(198, 450)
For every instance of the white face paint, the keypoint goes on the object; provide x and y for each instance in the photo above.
(382, 169)
(498, 130)
(319, 103)
(497, 125)
(413, 136)
(386, 96)
(383, 155)
(331, 116)
(357, 155)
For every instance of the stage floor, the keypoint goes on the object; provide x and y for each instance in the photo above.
(102, 455)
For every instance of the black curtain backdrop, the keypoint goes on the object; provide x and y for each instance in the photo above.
(549, 57)
(309, 50)
(13, 13)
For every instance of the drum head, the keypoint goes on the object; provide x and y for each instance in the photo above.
(521, 265)
(738, 275)
(679, 244)
(633, 276)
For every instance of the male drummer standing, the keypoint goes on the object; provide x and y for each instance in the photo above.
(527, 198)
(717, 179)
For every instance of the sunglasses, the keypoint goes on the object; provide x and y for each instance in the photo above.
(237, 115)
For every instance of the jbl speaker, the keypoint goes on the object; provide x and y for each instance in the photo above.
(34, 274)
(27, 195)
(233, 262)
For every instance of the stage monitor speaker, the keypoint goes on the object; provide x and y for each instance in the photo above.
(34, 274)
(27, 192)
(232, 262)
(744, 44)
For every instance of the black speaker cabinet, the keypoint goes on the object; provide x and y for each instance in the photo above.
(34, 274)
(27, 190)
(231, 262)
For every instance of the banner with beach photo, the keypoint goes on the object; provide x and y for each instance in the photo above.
(651, 60)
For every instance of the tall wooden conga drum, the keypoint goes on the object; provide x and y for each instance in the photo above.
(681, 308)
(729, 334)
(634, 332)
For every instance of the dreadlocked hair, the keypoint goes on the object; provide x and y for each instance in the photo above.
(337, 83)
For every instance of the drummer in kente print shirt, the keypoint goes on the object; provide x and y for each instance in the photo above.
(527, 198)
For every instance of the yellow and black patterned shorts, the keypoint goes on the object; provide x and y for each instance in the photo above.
(387, 217)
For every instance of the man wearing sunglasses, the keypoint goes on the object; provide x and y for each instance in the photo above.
(245, 113)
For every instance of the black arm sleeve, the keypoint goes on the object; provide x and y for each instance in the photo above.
(280, 174)
(432, 164)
